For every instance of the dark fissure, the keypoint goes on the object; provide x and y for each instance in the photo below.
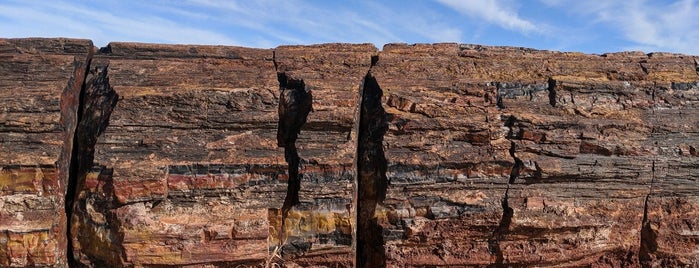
(295, 103)
(507, 212)
(649, 243)
(76, 83)
(517, 168)
(501, 230)
(372, 182)
(552, 92)
(96, 101)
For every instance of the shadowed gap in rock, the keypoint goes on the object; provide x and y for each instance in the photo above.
(372, 181)
(295, 103)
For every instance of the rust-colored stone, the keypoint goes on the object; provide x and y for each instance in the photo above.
(494, 156)
(36, 100)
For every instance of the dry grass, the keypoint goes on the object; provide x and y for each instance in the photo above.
(275, 259)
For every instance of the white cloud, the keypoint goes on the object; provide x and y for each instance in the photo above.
(419, 23)
(264, 23)
(493, 11)
(673, 27)
(648, 25)
(298, 22)
(57, 18)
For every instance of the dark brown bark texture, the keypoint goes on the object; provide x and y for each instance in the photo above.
(341, 155)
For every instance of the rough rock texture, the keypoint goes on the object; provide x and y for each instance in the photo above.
(522, 157)
(327, 147)
(192, 130)
(189, 172)
(144, 155)
(35, 73)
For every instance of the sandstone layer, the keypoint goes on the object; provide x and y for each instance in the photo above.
(341, 155)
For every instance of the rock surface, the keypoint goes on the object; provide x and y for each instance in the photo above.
(34, 156)
(525, 157)
(146, 155)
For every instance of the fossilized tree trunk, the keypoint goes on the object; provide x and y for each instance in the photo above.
(150, 155)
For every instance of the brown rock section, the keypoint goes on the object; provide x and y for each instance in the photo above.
(187, 168)
(515, 156)
(327, 146)
(188, 171)
(495, 156)
(34, 155)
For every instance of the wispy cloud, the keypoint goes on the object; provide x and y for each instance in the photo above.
(58, 18)
(412, 21)
(647, 25)
(674, 27)
(300, 22)
(495, 12)
(590, 26)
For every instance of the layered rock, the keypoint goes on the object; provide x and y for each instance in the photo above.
(523, 157)
(189, 170)
(320, 226)
(34, 152)
(146, 155)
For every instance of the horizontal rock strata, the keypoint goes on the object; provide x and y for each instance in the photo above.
(341, 155)
(34, 154)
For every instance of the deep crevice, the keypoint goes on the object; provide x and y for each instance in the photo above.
(507, 212)
(71, 119)
(552, 91)
(517, 167)
(498, 100)
(372, 182)
(518, 164)
(97, 101)
(502, 230)
(295, 103)
(649, 243)
(374, 60)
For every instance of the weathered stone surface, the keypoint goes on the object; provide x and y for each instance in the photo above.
(493, 156)
(35, 73)
(195, 127)
(189, 142)
(326, 145)
(566, 142)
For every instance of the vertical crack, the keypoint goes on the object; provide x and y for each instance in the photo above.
(372, 182)
(295, 103)
(552, 91)
(517, 168)
(648, 240)
(97, 101)
(502, 229)
(649, 243)
(518, 164)
(499, 93)
(71, 107)
(507, 212)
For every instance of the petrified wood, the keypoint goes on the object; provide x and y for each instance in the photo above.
(341, 155)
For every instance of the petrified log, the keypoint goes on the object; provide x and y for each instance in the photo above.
(150, 155)
(34, 155)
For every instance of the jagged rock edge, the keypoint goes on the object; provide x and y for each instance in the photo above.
(70, 117)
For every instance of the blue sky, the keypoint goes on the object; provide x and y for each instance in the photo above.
(591, 26)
